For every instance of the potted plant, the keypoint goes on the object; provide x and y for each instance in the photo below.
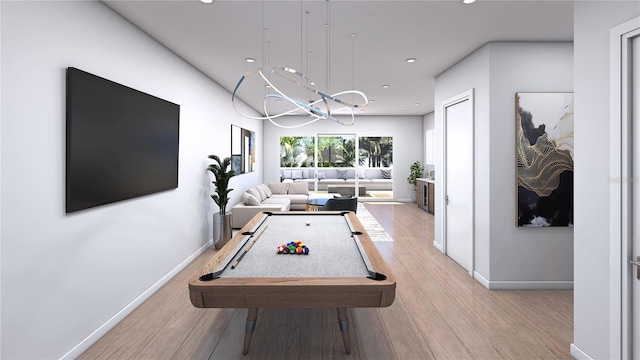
(415, 171)
(221, 197)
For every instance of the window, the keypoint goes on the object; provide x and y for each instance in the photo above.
(297, 151)
(375, 152)
(336, 150)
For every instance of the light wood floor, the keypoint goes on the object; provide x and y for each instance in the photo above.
(439, 313)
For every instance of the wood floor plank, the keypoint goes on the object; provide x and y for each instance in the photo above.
(440, 312)
(332, 343)
(440, 338)
(371, 334)
(304, 337)
(405, 336)
(229, 345)
(206, 332)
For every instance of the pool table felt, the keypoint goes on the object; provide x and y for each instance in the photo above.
(332, 250)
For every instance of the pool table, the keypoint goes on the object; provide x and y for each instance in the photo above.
(343, 268)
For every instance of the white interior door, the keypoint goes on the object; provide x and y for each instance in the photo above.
(624, 205)
(635, 247)
(458, 233)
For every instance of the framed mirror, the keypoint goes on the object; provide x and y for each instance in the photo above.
(243, 150)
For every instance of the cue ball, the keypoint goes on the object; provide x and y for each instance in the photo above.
(308, 223)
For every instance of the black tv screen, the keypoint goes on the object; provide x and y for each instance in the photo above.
(121, 143)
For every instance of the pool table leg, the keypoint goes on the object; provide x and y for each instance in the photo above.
(249, 327)
(343, 320)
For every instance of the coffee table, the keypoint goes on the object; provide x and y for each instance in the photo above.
(314, 204)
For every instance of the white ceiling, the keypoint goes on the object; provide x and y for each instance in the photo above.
(216, 38)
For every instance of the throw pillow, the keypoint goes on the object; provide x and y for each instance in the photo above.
(266, 190)
(278, 188)
(287, 174)
(361, 174)
(298, 188)
(320, 175)
(253, 191)
(250, 199)
(296, 174)
(385, 174)
(263, 194)
(305, 174)
(342, 174)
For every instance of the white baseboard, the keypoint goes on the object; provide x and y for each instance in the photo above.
(481, 279)
(438, 246)
(522, 285)
(102, 330)
(579, 354)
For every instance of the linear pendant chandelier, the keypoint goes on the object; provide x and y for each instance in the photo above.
(321, 105)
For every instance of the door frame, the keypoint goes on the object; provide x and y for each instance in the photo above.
(467, 95)
(620, 218)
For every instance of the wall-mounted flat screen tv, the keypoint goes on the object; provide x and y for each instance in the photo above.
(121, 143)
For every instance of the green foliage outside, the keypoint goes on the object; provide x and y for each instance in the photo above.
(297, 151)
(336, 151)
(375, 151)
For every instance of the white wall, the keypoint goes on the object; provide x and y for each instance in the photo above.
(407, 143)
(472, 72)
(507, 256)
(517, 253)
(592, 22)
(66, 276)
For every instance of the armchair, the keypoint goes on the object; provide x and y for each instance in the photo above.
(336, 204)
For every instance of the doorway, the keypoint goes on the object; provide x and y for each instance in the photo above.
(458, 240)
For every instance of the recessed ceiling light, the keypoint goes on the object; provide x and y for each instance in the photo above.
(416, 104)
(386, 86)
(371, 100)
(467, 2)
(250, 60)
(402, 111)
(206, 1)
(411, 60)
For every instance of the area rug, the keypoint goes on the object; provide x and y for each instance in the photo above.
(375, 231)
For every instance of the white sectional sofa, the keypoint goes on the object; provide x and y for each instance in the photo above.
(271, 197)
(371, 178)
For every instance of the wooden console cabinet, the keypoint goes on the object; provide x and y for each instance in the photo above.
(421, 193)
